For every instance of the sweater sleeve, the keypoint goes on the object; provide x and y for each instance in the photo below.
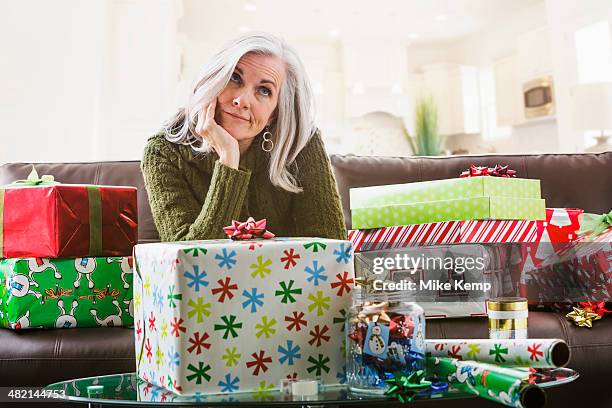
(317, 210)
(177, 212)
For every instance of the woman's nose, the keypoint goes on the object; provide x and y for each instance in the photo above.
(241, 101)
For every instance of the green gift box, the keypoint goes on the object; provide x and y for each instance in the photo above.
(475, 208)
(448, 189)
(66, 293)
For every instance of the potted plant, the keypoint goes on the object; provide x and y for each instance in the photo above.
(427, 141)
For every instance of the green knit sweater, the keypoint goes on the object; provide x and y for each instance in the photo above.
(193, 196)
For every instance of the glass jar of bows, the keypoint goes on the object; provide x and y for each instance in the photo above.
(384, 337)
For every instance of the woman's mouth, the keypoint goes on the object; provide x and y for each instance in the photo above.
(236, 116)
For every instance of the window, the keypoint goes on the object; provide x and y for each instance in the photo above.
(594, 53)
(593, 59)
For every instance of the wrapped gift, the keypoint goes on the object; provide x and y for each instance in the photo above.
(561, 228)
(466, 198)
(446, 280)
(577, 272)
(442, 190)
(475, 208)
(222, 316)
(51, 220)
(66, 293)
(447, 232)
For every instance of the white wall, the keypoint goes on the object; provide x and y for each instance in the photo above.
(565, 17)
(484, 48)
(51, 67)
(91, 80)
(85, 80)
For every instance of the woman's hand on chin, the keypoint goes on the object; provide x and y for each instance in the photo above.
(224, 144)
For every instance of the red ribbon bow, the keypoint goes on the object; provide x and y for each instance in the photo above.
(497, 171)
(596, 307)
(249, 229)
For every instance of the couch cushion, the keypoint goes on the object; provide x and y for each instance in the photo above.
(40, 357)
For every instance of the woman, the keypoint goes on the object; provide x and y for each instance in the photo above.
(244, 145)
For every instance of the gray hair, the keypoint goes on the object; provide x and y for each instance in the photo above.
(294, 122)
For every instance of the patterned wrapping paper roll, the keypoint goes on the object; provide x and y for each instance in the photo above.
(507, 318)
(508, 386)
(541, 353)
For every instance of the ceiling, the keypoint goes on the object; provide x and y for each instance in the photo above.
(416, 22)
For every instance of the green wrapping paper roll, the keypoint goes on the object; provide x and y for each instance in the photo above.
(505, 385)
(540, 353)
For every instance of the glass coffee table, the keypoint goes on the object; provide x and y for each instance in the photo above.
(128, 389)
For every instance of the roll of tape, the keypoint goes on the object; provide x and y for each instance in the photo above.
(515, 314)
(305, 387)
(507, 304)
(507, 324)
(508, 334)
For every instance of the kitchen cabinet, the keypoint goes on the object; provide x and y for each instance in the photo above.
(455, 88)
(508, 92)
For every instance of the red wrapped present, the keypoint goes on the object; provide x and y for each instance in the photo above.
(40, 218)
(446, 232)
(562, 225)
(580, 271)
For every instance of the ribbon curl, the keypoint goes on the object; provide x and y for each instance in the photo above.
(34, 180)
(592, 225)
(497, 171)
(249, 229)
(406, 387)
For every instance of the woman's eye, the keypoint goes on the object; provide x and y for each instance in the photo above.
(265, 91)
(235, 77)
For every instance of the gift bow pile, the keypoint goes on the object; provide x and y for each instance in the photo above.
(250, 229)
(406, 387)
(587, 313)
(592, 225)
(497, 171)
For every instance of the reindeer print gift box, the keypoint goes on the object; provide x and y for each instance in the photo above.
(223, 316)
(66, 293)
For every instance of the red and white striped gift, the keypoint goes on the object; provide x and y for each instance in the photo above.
(447, 232)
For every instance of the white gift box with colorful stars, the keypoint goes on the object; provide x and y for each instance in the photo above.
(223, 316)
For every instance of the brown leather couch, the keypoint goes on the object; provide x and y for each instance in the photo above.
(39, 357)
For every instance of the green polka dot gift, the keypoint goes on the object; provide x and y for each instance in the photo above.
(465, 198)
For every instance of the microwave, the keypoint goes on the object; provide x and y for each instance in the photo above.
(538, 97)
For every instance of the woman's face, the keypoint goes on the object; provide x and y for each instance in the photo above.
(247, 103)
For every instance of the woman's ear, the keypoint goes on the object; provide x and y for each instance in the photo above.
(273, 117)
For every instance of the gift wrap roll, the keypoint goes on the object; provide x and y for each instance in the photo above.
(508, 386)
(540, 353)
(507, 318)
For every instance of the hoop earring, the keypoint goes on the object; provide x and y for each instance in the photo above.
(267, 145)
